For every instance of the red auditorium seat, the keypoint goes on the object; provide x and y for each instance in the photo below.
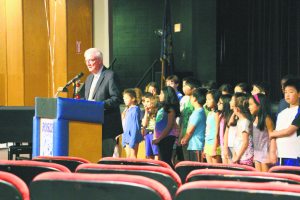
(78, 186)
(231, 190)
(132, 161)
(285, 169)
(12, 187)
(183, 168)
(245, 176)
(27, 170)
(70, 162)
(164, 175)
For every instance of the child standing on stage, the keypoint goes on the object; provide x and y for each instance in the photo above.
(173, 81)
(152, 87)
(165, 131)
(212, 148)
(131, 124)
(288, 145)
(243, 143)
(230, 133)
(224, 116)
(195, 133)
(148, 124)
(242, 88)
(264, 149)
(188, 85)
(226, 89)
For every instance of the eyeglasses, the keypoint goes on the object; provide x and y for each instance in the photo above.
(90, 60)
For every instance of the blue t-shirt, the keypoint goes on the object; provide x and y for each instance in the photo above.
(132, 127)
(197, 119)
(179, 95)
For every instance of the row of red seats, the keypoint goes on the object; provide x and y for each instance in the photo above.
(157, 179)
(77, 186)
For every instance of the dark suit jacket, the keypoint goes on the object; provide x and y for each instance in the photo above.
(107, 90)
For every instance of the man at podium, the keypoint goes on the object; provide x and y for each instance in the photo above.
(103, 85)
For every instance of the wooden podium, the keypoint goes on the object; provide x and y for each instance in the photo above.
(68, 127)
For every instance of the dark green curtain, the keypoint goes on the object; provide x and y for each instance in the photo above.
(258, 40)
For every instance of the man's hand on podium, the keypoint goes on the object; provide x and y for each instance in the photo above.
(60, 89)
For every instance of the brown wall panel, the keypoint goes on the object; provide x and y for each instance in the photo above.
(79, 35)
(30, 64)
(15, 59)
(3, 69)
(36, 50)
(58, 68)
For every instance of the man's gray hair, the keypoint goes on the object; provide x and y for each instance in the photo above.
(94, 51)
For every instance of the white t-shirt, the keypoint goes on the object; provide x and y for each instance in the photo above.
(231, 135)
(287, 147)
(243, 125)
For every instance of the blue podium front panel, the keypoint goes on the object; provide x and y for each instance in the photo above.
(51, 132)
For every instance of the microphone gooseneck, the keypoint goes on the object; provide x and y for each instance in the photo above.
(78, 76)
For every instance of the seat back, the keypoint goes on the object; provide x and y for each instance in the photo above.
(229, 190)
(245, 176)
(70, 162)
(27, 170)
(12, 187)
(285, 169)
(132, 161)
(78, 186)
(183, 168)
(165, 176)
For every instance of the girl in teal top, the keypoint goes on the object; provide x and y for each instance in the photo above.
(212, 148)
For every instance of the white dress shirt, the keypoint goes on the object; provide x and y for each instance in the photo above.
(94, 83)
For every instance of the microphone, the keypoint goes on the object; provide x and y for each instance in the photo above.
(78, 76)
